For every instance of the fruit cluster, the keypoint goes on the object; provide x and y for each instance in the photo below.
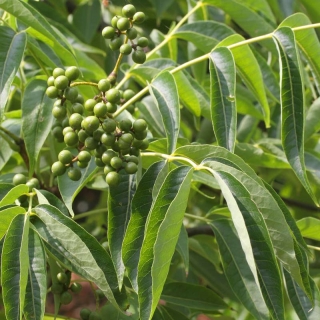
(87, 314)
(20, 178)
(122, 31)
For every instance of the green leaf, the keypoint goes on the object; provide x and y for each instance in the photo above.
(76, 249)
(6, 216)
(161, 235)
(223, 100)
(14, 268)
(173, 314)
(141, 204)
(5, 188)
(14, 194)
(36, 291)
(162, 6)
(119, 212)
(46, 197)
(37, 119)
(165, 93)
(181, 294)
(70, 190)
(11, 53)
(309, 228)
(39, 27)
(292, 105)
(237, 270)
(183, 248)
(169, 50)
(312, 124)
(5, 151)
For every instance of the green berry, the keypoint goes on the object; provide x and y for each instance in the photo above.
(109, 125)
(123, 24)
(111, 107)
(82, 164)
(67, 129)
(108, 32)
(139, 56)
(107, 168)
(127, 137)
(100, 110)
(82, 135)
(108, 139)
(134, 151)
(141, 135)
(116, 162)
(125, 49)
(75, 121)
(115, 146)
(74, 174)
(61, 82)
(133, 159)
(132, 33)
(50, 81)
(125, 125)
(123, 145)
(77, 108)
(115, 44)
(89, 104)
(85, 314)
(112, 178)
(72, 73)
(84, 156)
(128, 94)
(57, 133)
(113, 95)
(114, 21)
(100, 149)
(57, 288)
(66, 298)
(104, 85)
(136, 143)
(76, 287)
(90, 123)
(59, 112)
(94, 316)
(143, 42)
(58, 72)
(131, 168)
(144, 145)
(139, 125)
(131, 108)
(91, 143)
(79, 99)
(128, 10)
(107, 156)
(19, 178)
(139, 17)
(52, 92)
(33, 183)
(99, 162)
(62, 277)
(65, 122)
(71, 94)
(97, 134)
(65, 156)
(71, 139)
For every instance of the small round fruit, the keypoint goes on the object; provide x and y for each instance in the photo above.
(125, 49)
(144, 145)
(139, 56)
(65, 156)
(114, 21)
(33, 183)
(62, 277)
(116, 162)
(52, 92)
(82, 164)
(58, 72)
(91, 143)
(84, 156)
(111, 107)
(131, 108)
(90, 123)
(66, 298)
(143, 42)
(99, 162)
(131, 168)
(100, 110)
(59, 112)
(71, 94)
(100, 149)
(127, 137)
(61, 82)
(115, 44)
(77, 108)
(57, 133)
(139, 17)
(65, 122)
(133, 159)
(112, 178)
(128, 94)
(108, 32)
(123, 145)
(134, 151)
(97, 134)
(104, 85)
(80, 99)
(85, 314)
(141, 134)
(139, 125)
(74, 174)
(129, 10)
(75, 121)
(107, 168)
(109, 125)
(72, 73)
(132, 33)
(136, 143)
(57, 288)
(71, 139)
(82, 135)
(108, 139)
(94, 316)
(115, 146)
(76, 287)
(125, 125)
(123, 24)
(50, 81)
(67, 129)
(89, 104)
(113, 95)
(19, 178)
(107, 156)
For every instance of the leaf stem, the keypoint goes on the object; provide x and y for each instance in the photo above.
(89, 213)
(84, 83)
(192, 216)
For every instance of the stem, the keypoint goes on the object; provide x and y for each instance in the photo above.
(192, 216)
(117, 66)
(89, 213)
(84, 83)
(313, 247)
(16, 139)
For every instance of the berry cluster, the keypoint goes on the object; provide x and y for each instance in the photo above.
(62, 287)
(124, 26)
(20, 178)
(87, 314)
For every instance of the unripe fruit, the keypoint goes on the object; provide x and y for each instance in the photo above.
(128, 10)
(123, 24)
(143, 42)
(107, 169)
(74, 174)
(61, 82)
(19, 178)
(65, 123)
(107, 156)
(58, 72)
(71, 139)
(139, 125)
(109, 125)
(115, 44)
(82, 164)
(113, 95)
(66, 298)
(57, 288)
(131, 108)
(57, 133)
(52, 92)
(85, 314)
(33, 183)
(67, 129)
(114, 21)
(128, 94)
(84, 156)
(140, 135)
(125, 49)
(144, 145)
(139, 56)
(100, 110)
(115, 146)
(50, 81)
(71, 94)
(132, 33)
(62, 277)
(97, 134)
(131, 168)
(104, 85)
(80, 99)
(123, 145)
(75, 121)
(90, 123)
(125, 125)
(139, 17)
(82, 135)
(100, 149)
(127, 137)
(94, 316)
(59, 112)
(77, 108)
(116, 162)
(65, 156)
(76, 287)
(133, 159)
(89, 104)
(108, 32)
(111, 107)
(72, 73)
(99, 162)
(112, 178)
(91, 143)
(108, 139)
(136, 143)
(134, 151)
